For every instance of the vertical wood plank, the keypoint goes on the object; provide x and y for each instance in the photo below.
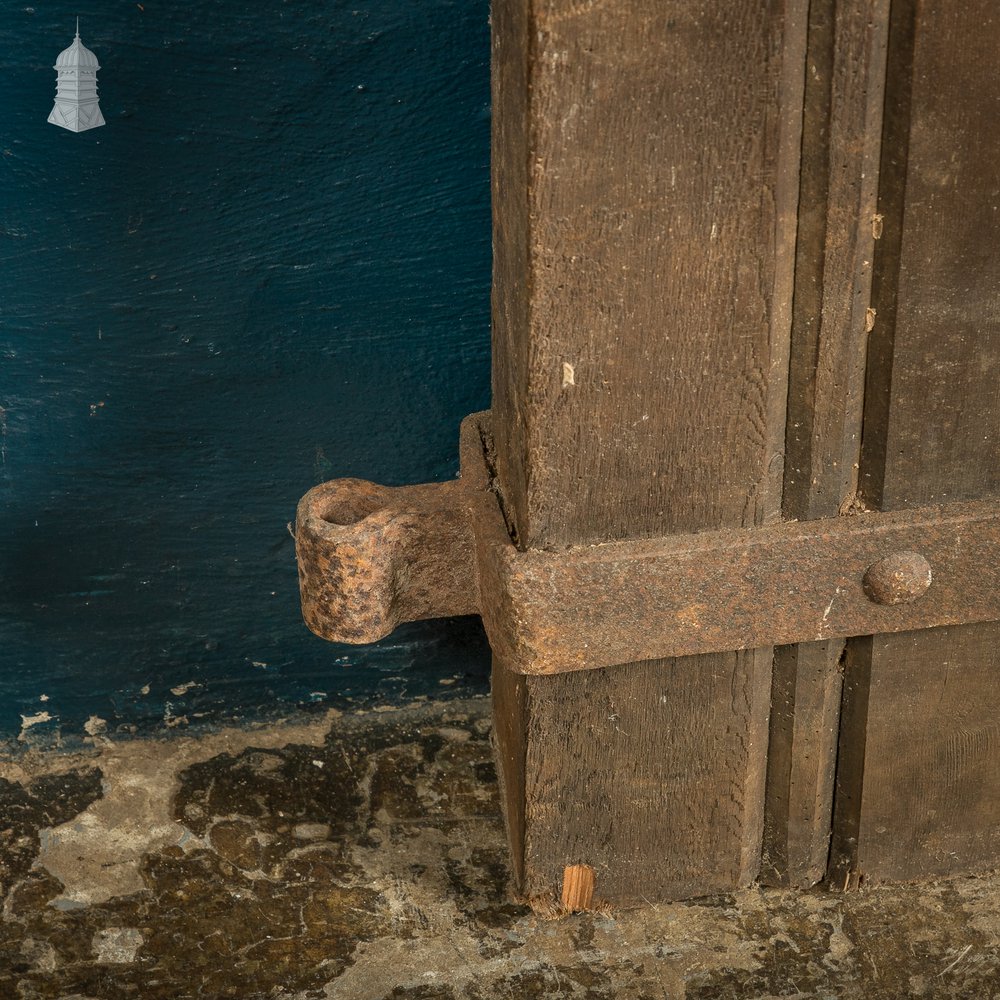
(510, 294)
(643, 353)
(641, 317)
(802, 756)
(925, 800)
(510, 719)
(841, 137)
(652, 773)
(930, 802)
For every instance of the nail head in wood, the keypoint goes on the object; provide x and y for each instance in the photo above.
(897, 579)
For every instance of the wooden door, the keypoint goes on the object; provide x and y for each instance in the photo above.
(745, 273)
(728, 290)
(920, 741)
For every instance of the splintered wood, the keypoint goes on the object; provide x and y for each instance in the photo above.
(578, 888)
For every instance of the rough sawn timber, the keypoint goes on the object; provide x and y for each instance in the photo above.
(837, 230)
(644, 221)
(918, 788)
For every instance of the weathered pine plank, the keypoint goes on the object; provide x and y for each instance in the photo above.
(920, 790)
(641, 323)
(841, 137)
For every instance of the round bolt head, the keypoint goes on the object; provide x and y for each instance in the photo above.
(897, 579)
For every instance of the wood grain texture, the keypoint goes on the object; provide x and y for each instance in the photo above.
(641, 338)
(931, 793)
(842, 132)
(270, 268)
(649, 274)
(943, 439)
(802, 755)
(652, 773)
(578, 888)
(841, 137)
(510, 296)
(510, 724)
(928, 798)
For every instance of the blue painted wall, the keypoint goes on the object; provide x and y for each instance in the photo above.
(270, 268)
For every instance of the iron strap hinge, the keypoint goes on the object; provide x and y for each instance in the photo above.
(371, 557)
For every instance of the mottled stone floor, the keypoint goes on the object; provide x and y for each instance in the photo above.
(364, 857)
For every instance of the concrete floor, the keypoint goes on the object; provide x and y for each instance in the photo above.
(363, 857)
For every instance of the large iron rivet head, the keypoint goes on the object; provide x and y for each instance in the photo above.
(897, 579)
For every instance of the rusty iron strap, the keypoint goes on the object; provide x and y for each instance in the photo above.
(371, 557)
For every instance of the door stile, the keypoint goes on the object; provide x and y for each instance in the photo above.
(644, 227)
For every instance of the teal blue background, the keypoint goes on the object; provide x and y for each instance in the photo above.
(270, 268)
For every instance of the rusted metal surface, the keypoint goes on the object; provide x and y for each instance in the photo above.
(793, 582)
(898, 579)
(371, 557)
